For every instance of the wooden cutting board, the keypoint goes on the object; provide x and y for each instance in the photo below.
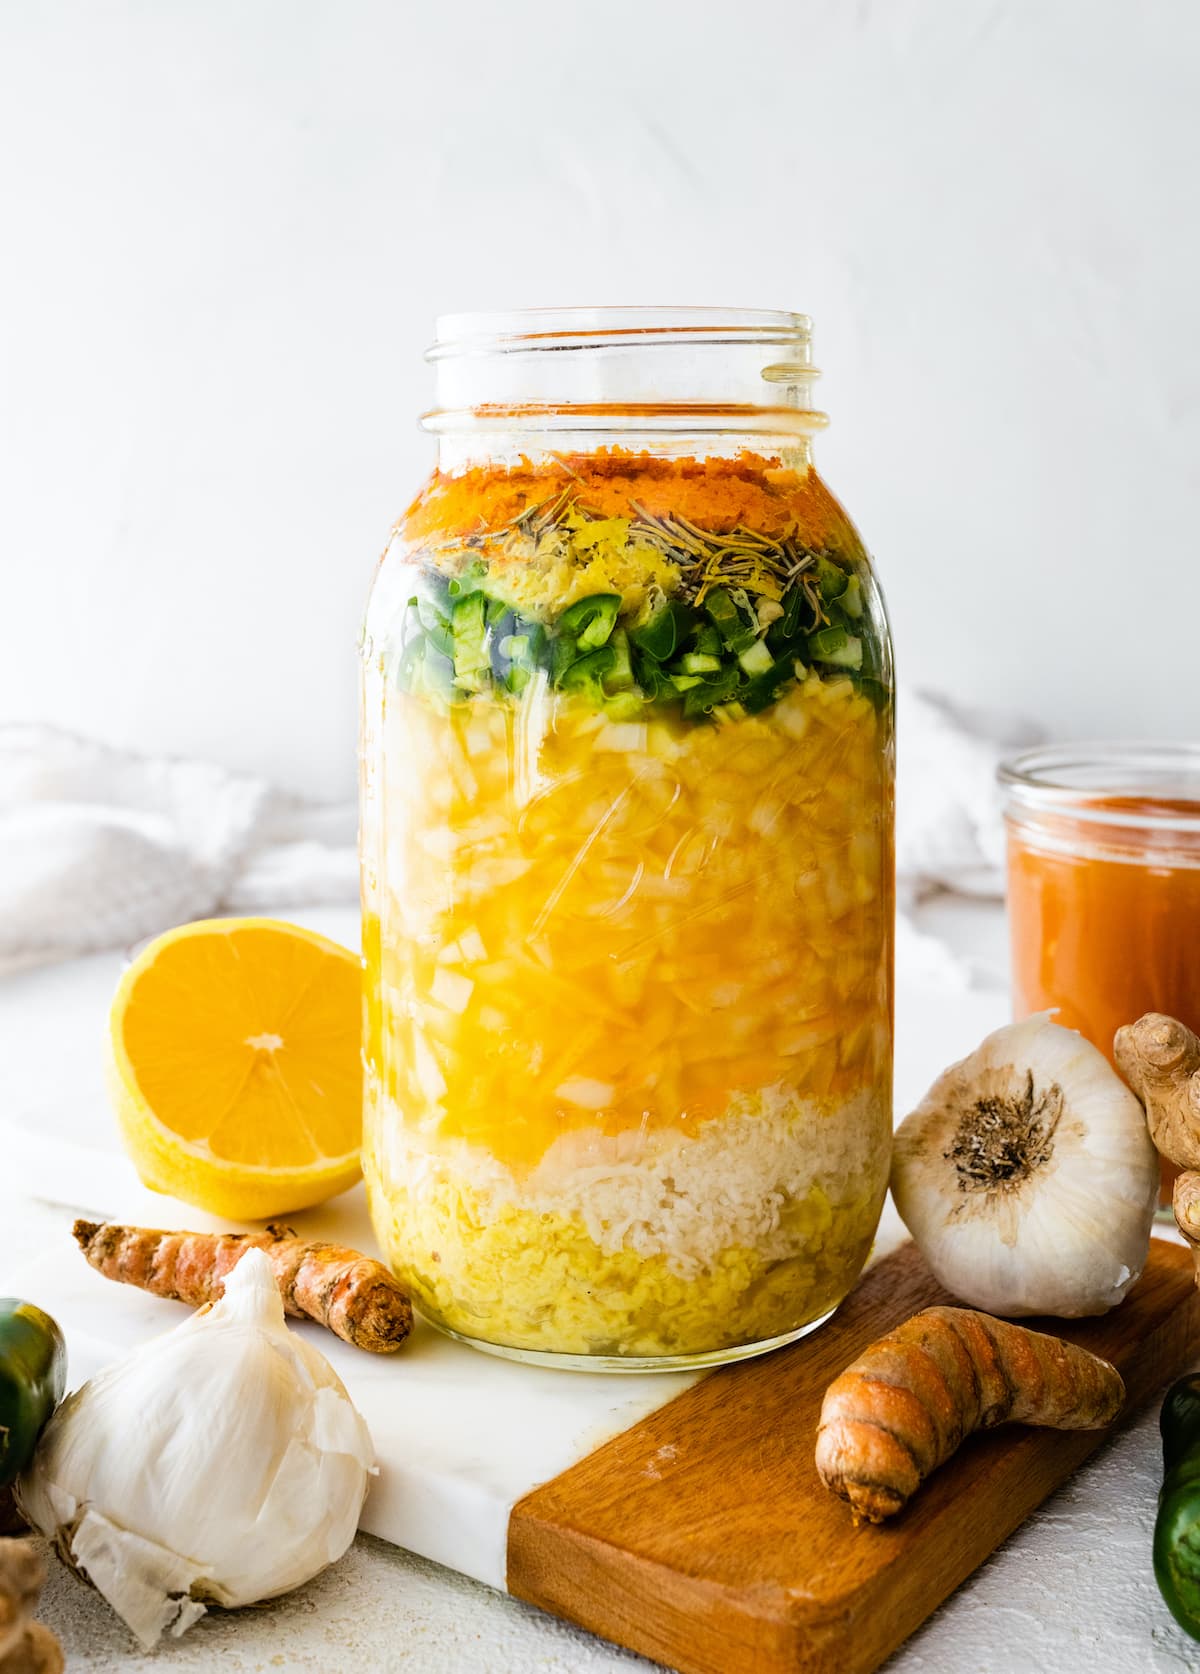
(703, 1538)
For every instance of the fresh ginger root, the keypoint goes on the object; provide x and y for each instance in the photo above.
(22, 1574)
(1160, 1059)
(1186, 1202)
(36, 1652)
(352, 1295)
(908, 1401)
(26, 1646)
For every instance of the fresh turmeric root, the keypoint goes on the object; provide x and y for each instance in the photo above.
(903, 1407)
(26, 1646)
(354, 1296)
(1160, 1059)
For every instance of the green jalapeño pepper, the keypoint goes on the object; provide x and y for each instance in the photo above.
(33, 1373)
(1177, 1528)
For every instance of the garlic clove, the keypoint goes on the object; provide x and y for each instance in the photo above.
(1027, 1177)
(221, 1462)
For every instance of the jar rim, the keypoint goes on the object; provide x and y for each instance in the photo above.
(536, 330)
(1131, 784)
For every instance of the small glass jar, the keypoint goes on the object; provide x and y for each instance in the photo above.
(1104, 883)
(627, 770)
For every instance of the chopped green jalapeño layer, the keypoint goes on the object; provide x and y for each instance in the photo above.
(726, 654)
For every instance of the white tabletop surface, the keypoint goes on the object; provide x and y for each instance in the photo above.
(1071, 1590)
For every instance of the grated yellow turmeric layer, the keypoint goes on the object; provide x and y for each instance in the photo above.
(751, 1229)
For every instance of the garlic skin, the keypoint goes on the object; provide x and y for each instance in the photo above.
(1027, 1177)
(222, 1462)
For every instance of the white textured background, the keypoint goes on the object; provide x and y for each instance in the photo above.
(228, 224)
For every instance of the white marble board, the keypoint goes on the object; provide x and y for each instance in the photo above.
(459, 1435)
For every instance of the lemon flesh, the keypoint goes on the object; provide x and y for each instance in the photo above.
(234, 1066)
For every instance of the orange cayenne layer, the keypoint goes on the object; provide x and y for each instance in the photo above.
(750, 491)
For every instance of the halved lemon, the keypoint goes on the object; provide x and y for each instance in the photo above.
(234, 1066)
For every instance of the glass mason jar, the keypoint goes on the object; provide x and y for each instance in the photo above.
(1104, 885)
(627, 858)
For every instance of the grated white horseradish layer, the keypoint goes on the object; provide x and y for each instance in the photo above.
(685, 1196)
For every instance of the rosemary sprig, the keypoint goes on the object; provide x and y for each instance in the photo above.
(741, 558)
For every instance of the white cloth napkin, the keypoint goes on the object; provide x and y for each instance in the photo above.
(100, 847)
(949, 829)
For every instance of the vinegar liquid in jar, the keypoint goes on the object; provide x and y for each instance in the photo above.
(627, 853)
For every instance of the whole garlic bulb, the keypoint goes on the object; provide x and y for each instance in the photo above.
(221, 1462)
(1027, 1177)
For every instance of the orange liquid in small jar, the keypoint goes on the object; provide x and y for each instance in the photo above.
(1105, 917)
